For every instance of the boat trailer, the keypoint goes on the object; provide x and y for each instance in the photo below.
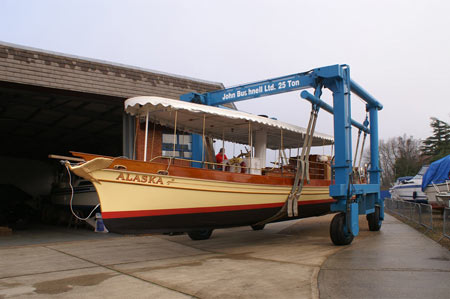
(352, 199)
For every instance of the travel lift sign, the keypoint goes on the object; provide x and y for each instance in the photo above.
(261, 89)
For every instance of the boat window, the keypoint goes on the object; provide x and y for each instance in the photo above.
(183, 145)
(421, 172)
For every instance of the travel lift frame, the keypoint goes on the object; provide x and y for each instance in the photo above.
(351, 199)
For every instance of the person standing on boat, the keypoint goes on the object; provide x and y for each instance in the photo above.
(220, 157)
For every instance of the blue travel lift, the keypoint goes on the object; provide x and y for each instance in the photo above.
(351, 199)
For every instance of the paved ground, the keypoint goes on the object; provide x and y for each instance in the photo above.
(286, 260)
(397, 262)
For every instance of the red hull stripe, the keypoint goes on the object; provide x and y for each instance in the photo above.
(145, 213)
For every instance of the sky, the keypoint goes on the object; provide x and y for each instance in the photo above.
(399, 51)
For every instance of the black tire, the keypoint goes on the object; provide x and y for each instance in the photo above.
(258, 226)
(374, 220)
(203, 234)
(338, 234)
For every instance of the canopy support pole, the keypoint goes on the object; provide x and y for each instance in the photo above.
(175, 134)
(146, 137)
(153, 141)
(223, 149)
(203, 140)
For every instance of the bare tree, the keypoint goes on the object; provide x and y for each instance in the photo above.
(399, 156)
(388, 155)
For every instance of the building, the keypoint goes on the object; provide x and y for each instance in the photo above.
(53, 103)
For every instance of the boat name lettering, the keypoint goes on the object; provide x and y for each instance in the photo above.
(140, 178)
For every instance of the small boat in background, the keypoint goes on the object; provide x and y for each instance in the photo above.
(85, 196)
(409, 188)
(436, 182)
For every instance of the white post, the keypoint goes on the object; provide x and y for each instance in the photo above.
(203, 141)
(175, 134)
(261, 146)
(250, 143)
(146, 137)
(223, 147)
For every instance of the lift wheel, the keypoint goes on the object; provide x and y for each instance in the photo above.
(258, 226)
(203, 234)
(338, 230)
(374, 220)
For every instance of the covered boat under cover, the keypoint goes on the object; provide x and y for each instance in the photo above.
(438, 172)
(231, 125)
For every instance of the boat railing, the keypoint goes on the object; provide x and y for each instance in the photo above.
(436, 188)
(205, 164)
(317, 169)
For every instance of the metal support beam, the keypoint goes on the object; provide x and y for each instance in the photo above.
(374, 171)
(316, 101)
(268, 87)
(363, 94)
(342, 135)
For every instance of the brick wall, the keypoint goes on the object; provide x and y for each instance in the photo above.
(154, 138)
(154, 144)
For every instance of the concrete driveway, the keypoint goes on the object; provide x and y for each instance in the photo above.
(282, 261)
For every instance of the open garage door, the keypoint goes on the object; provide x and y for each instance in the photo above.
(52, 103)
(36, 122)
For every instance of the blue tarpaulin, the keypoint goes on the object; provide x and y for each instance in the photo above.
(437, 173)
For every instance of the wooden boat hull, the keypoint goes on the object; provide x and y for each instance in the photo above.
(206, 220)
(136, 201)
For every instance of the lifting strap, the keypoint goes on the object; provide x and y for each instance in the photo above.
(360, 157)
(302, 165)
(362, 149)
(357, 147)
(358, 165)
(290, 206)
(366, 124)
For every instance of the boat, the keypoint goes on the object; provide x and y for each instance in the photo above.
(81, 196)
(436, 182)
(169, 194)
(409, 188)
